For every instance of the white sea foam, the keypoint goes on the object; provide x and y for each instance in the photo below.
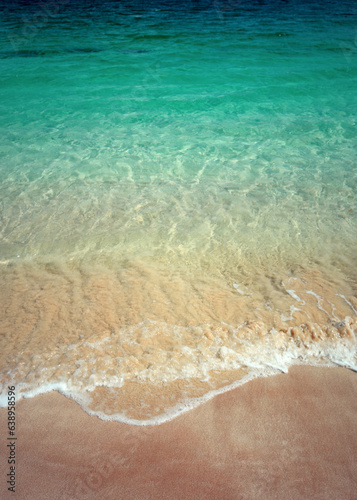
(264, 355)
(347, 302)
(238, 288)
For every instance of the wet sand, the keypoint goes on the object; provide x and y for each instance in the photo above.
(284, 437)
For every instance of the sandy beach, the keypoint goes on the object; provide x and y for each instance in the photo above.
(290, 436)
(178, 215)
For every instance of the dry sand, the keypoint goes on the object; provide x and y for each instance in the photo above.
(285, 437)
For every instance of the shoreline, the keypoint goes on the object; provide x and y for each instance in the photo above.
(284, 436)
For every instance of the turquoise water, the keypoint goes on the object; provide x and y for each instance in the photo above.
(196, 154)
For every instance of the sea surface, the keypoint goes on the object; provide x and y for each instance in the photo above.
(178, 208)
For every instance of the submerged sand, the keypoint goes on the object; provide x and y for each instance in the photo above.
(137, 341)
(289, 436)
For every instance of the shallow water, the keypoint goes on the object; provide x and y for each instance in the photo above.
(178, 197)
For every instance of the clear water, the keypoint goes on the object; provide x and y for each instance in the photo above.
(168, 169)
